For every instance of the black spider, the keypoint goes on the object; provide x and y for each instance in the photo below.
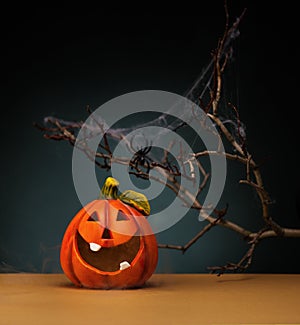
(140, 158)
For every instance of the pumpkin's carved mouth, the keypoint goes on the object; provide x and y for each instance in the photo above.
(109, 259)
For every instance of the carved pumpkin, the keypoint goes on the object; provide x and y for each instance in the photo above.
(107, 244)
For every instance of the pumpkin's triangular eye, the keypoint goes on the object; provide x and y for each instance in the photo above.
(122, 216)
(93, 217)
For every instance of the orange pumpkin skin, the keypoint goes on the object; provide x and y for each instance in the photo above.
(123, 234)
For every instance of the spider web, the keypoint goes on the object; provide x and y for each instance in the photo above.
(199, 93)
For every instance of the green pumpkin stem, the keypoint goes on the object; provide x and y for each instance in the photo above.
(137, 200)
(110, 189)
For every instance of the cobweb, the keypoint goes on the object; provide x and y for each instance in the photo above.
(199, 93)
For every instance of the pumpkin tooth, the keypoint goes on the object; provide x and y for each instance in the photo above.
(124, 265)
(95, 247)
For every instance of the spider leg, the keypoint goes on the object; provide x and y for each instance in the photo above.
(146, 150)
(147, 163)
(134, 162)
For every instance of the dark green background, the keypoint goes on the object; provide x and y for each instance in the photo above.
(55, 61)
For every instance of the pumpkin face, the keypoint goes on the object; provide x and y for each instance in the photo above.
(105, 247)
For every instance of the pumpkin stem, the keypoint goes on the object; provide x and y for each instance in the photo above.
(110, 189)
(137, 200)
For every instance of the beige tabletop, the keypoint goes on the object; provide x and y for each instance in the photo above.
(186, 299)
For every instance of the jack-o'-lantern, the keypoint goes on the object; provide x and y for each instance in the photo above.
(109, 243)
